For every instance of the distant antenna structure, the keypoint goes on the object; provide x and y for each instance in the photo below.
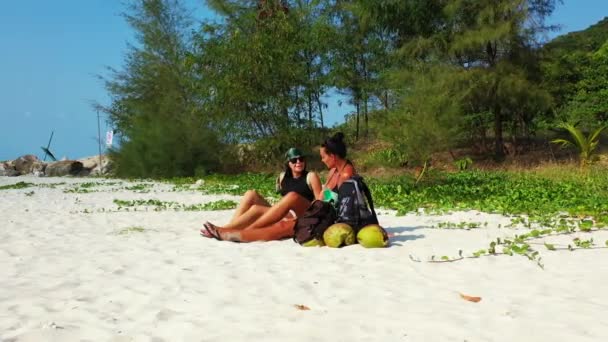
(46, 150)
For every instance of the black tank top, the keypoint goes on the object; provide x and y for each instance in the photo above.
(297, 185)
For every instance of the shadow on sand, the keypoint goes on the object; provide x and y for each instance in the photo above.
(398, 235)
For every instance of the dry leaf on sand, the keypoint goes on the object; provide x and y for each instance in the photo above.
(470, 298)
(301, 307)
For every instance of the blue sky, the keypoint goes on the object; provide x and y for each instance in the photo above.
(52, 50)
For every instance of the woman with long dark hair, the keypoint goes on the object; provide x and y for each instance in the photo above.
(333, 155)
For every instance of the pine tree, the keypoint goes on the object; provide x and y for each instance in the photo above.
(155, 101)
(487, 52)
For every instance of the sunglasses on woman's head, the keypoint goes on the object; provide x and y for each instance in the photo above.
(295, 160)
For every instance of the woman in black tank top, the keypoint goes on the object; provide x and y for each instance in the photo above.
(262, 221)
(297, 185)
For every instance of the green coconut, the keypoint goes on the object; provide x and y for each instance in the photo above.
(372, 236)
(338, 235)
(314, 243)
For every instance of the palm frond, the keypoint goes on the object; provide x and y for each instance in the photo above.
(585, 145)
(562, 142)
(595, 136)
(578, 138)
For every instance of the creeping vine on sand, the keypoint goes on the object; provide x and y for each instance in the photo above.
(522, 244)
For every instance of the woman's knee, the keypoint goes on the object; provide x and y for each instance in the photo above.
(291, 197)
(251, 196)
(259, 209)
(250, 193)
(296, 203)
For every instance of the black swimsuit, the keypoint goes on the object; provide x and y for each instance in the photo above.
(297, 185)
(335, 189)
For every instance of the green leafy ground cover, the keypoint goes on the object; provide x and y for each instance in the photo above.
(501, 192)
(23, 185)
(231, 184)
(512, 193)
(159, 205)
(496, 192)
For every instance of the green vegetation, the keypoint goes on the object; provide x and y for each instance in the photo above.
(422, 76)
(586, 145)
(157, 106)
(461, 225)
(143, 187)
(463, 164)
(18, 185)
(159, 205)
(500, 192)
(382, 158)
(575, 68)
(232, 184)
(89, 187)
(540, 194)
(22, 185)
(524, 244)
(129, 230)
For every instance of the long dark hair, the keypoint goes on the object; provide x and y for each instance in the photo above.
(335, 145)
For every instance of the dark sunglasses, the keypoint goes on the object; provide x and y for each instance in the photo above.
(295, 160)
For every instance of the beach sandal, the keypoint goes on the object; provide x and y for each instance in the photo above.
(211, 231)
(205, 233)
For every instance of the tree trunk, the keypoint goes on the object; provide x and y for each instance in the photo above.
(310, 123)
(365, 117)
(298, 106)
(310, 94)
(318, 98)
(499, 150)
(365, 96)
(385, 100)
(358, 106)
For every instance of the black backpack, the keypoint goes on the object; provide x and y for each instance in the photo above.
(317, 218)
(355, 204)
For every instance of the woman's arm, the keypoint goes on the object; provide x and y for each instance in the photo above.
(315, 185)
(279, 181)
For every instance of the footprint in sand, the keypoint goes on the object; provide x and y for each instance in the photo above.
(165, 315)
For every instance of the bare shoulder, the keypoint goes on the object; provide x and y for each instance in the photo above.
(313, 175)
(348, 171)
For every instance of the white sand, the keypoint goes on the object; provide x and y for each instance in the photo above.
(67, 275)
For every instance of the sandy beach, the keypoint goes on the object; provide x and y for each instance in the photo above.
(75, 267)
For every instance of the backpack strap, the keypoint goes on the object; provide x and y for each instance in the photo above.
(368, 195)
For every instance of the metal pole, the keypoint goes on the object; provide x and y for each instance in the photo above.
(99, 141)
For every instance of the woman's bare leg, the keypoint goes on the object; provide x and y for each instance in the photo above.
(259, 217)
(291, 201)
(250, 198)
(277, 231)
(247, 218)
